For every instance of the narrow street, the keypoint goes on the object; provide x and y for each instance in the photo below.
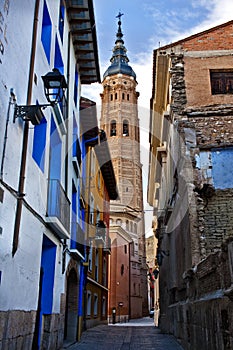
(136, 334)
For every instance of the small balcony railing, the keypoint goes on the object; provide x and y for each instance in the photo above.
(107, 246)
(77, 244)
(58, 209)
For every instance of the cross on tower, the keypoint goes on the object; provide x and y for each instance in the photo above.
(119, 15)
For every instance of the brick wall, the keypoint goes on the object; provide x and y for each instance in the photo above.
(219, 39)
(197, 79)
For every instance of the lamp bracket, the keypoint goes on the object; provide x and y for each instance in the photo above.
(31, 113)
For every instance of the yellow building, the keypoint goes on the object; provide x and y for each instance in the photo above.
(99, 186)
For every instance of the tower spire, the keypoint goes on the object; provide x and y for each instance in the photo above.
(119, 60)
(119, 33)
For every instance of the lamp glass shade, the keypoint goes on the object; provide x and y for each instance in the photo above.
(54, 85)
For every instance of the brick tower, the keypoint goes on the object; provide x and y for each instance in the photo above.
(119, 119)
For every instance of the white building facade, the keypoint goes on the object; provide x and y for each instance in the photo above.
(41, 271)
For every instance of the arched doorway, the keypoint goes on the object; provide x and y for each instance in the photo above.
(71, 315)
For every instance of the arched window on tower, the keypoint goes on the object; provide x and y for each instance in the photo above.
(125, 128)
(113, 128)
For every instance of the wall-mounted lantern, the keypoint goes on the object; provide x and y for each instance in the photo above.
(100, 229)
(54, 87)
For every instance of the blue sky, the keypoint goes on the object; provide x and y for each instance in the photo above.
(146, 25)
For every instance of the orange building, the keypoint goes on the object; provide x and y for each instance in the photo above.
(119, 119)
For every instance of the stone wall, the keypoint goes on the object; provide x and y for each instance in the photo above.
(17, 329)
(53, 332)
(204, 320)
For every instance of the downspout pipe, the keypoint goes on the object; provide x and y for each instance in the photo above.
(25, 135)
(11, 102)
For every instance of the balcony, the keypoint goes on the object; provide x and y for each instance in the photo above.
(107, 245)
(77, 244)
(100, 234)
(58, 209)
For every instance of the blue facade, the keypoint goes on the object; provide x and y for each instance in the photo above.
(222, 163)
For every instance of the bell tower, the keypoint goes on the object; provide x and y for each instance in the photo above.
(119, 119)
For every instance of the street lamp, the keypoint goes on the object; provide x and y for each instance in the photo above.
(54, 88)
(100, 233)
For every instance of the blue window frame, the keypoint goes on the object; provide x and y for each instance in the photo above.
(46, 33)
(55, 152)
(76, 88)
(58, 63)
(61, 20)
(39, 143)
(222, 163)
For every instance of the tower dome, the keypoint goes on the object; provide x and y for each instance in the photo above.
(119, 60)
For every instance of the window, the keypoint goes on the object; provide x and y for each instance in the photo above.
(116, 96)
(125, 248)
(123, 96)
(111, 97)
(104, 306)
(131, 226)
(127, 225)
(127, 97)
(125, 128)
(58, 63)
(90, 257)
(39, 142)
(221, 82)
(97, 265)
(91, 218)
(55, 152)
(76, 150)
(93, 161)
(75, 234)
(118, 222)
(98, 180)
(46, 33)
(122, 269)
(95, 305)
(97, 214)
(104, 272)
(76, 87)
(88, 303)
(113, 128)
(61, 20)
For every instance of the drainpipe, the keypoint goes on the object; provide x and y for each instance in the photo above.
(67, 112)
(11, 102)
(25, 135)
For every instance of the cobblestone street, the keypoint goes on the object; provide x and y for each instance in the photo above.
(137, 334)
